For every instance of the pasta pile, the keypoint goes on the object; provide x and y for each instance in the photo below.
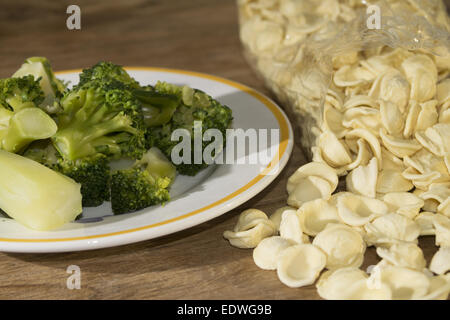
(385, 126)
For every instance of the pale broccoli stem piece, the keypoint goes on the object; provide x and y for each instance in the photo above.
(36, 196)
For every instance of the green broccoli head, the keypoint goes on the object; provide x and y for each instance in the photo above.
(100, 119)
(19, 93)
(194, 105)
(53, 88)
(107, 72)
(145, 184)
(93, 173)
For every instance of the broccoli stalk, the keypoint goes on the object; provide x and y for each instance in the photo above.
(21, 122)
(36, 196)
(146, 183)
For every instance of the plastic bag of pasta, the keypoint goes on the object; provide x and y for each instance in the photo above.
(361, 77)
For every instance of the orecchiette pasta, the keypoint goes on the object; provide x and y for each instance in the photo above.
(403, 254)
(316, 215)
(380, 116)
(300, 265)
(253, 226)
(343, 245)
(440, 264)
(267, 251)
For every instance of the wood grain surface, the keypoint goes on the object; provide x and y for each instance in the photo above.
(199, 35)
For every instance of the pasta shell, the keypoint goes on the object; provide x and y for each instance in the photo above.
(343, 246)
(249, 218)
(276, 216)
(439, 192)
(362, 117)
(442, 228)
(363, 154)
(357, 210)
(300, 265)
(404, 203)
(439, 288)
(425, 222)
(363, 179)
(405, 283)
(392, 228)
(411, 119)
(349, 284)
(360, 101)
(290, 227)
(422, 74)
(392, 181)
(316, 215)
(252, 226)
(443, 92)
(371, 140)
(440, 263)
(425, 162)
(423, 180)
(391, 86)
(308, 189)
(436, 139)
(399, 147)
(349, 76)
(251, 237)
(390, 161)
(407, 255)
(391, 117)
(332, 121)
(316, 169)
(428, 115)
(266, 253)
(333, 150)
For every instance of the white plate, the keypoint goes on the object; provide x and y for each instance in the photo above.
(211, 193)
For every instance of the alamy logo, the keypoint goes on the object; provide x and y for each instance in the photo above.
(74, 280)
(374, 17)
(73, 22)
(251, 146)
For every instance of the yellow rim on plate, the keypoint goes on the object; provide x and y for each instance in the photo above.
(284, 135)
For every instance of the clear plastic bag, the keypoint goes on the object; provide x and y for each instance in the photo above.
(298, 47)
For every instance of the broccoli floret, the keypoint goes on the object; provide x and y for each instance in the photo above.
(146, 183)
(157, 107)
(53, 88)
(20, 93)
(100, 119)
(194, 105)
(106, 72)
(93, 173)
(21, 122)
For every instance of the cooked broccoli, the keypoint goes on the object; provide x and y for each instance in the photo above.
(52, 88)
(145, 184)
(36, 196)
(100, 118)
(21, 122)
(106, 72)
(93, 173)
(194, 105)
(157, 107)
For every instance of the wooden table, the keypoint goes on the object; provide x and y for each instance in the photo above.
(200, 35)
